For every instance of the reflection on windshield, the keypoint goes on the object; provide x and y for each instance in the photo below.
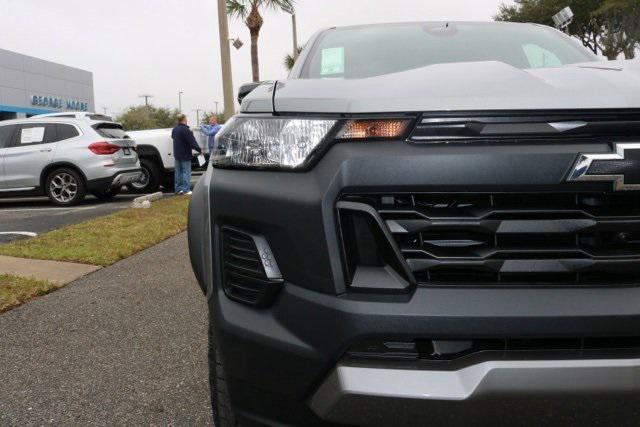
(366, 51)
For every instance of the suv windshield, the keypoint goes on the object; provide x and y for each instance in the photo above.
(367, 51)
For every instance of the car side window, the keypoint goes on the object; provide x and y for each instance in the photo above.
(35, 133)
(6, 133)
(64, 131)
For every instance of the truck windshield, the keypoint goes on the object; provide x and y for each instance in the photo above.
(373, 50)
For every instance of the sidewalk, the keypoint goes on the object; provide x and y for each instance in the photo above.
(125, 345)
(56, 272)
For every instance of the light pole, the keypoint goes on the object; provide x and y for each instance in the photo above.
(180, 101)
(225, 59)
(292, 12)
(216, 102)
(295, 36)
(197, 110)
(146, 99)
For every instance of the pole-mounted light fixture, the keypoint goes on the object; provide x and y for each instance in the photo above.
(237, 43)
(563, 18)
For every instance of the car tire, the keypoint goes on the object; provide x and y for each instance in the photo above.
(150, 181)
(223, 414)
(65, 187)
(108, 193)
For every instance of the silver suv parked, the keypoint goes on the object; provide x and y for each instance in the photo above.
(65, 156)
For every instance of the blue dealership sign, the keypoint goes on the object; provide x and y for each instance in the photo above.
(58, 103)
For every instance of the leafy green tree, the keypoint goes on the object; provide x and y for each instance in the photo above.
(249, 12)
(622, 23)
(584, 26)
(148, 117)
(289, 60)
(205, 118)
(609, 27)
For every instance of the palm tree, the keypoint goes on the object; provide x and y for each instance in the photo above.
(249, 12)
(289, 60)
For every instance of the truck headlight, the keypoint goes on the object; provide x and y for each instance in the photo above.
(269, 142)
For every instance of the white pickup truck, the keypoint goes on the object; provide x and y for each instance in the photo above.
(155, 149)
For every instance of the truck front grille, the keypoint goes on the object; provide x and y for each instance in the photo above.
(517, 125)
(514, 239)
(460, 353)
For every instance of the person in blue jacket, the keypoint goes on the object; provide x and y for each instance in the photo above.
(183, 144)
(210, 131)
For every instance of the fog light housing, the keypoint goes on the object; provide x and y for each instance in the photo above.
(250, 272)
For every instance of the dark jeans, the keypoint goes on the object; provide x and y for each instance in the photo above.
(183, 176)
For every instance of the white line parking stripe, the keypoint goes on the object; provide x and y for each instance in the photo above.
(18, 233)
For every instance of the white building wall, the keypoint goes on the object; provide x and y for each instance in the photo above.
(22, 77)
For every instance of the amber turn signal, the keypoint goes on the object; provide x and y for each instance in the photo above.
(374, 128)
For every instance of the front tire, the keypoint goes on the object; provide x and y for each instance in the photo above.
(223, 414)
(65, 187)
(150, 180)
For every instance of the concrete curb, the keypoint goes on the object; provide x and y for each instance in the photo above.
(145, 201)
(56, 272)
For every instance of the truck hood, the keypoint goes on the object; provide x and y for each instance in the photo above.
(460, 86)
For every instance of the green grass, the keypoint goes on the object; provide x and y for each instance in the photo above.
(16, 290)
(108, 239)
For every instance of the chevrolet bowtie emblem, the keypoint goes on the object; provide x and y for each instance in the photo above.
(621, 167)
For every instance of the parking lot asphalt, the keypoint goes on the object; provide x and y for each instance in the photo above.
(21, 218)
(123, 346)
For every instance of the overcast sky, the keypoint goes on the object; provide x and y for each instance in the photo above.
(163, 46)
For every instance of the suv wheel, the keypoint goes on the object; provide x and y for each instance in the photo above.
(149, 181)
(223, 415)
(65, 187)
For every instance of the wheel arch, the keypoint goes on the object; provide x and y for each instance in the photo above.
(58, 165)
(150, 152)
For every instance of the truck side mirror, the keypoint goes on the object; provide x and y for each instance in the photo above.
(246, 89)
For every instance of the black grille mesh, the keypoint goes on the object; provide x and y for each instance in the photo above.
(244, 277)
(459, 353)
(515, 239)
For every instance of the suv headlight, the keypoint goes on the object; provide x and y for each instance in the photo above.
(269, 142)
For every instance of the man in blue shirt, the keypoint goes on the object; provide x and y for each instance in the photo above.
(211, 130)
(183, 144)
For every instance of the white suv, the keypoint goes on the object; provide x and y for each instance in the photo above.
(65, 156)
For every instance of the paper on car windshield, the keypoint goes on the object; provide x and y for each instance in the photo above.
(332, 61)
(201, 160)
(540, 57)
(31, 135)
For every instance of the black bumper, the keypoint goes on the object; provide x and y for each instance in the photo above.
(103, 184)
(277, 357)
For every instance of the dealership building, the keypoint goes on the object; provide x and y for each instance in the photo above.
(30, 86)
